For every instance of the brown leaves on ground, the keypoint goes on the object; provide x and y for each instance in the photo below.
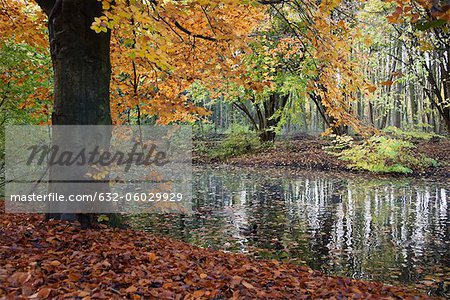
(308, 153)
(305, 153)
(439, 150)
(41, 260)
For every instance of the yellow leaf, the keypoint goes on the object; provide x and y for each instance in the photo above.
(106, 5)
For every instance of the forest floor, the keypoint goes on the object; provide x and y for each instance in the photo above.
(41, 260)
(307, 152)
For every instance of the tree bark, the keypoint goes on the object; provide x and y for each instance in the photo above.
(81, 64)
(82, 69)
(397, 111)
(263, 120)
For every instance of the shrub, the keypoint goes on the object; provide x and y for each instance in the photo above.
(236, 143)
(200, 147)
(382, 154)
(201, 131)
(237, 128)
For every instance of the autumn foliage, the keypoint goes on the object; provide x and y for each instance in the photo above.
(159, 49)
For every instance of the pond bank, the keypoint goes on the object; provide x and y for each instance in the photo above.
(307, 153)
(391, 230)
(59, 260)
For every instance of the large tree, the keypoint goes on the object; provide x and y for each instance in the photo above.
(82, 71)
(81, 63)
(155, 47)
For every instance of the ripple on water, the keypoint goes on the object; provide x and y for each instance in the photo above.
(395, 230)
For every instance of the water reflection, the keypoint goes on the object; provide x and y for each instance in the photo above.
(394, 231)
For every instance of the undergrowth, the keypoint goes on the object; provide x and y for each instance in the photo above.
(239, 140)
(410, 135)
(392, 152)
(236, 144)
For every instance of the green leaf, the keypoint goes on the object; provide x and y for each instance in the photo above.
(430, 24)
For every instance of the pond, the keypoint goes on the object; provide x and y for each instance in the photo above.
(390, 230)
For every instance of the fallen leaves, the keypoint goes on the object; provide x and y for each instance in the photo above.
(117, 264)
(18, 278)
(42, 294)
(131, 289)
(152, 256)
(55, 263)
(247, 285)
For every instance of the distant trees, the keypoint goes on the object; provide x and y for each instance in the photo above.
(344, 64)
(408, 59)
(391, 66)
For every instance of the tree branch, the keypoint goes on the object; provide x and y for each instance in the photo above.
(46, 5)
(270, 1)
(178, 25)
(244, 109)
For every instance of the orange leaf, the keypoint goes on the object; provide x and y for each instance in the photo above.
(167, 285)
(198, 294)
(131, 289)
(55, 263)
(74, 277)
(152, 256)
(371, 88)
(392, 19)
(387, 83)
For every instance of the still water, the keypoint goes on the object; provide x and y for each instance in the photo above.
(392, 230)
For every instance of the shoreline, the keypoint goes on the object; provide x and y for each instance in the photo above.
(66, 261)
(307, 154)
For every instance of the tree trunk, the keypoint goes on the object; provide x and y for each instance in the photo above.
(329, 121)
(398, 109)
(271, 106)
(82, 69)
(263, 120)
